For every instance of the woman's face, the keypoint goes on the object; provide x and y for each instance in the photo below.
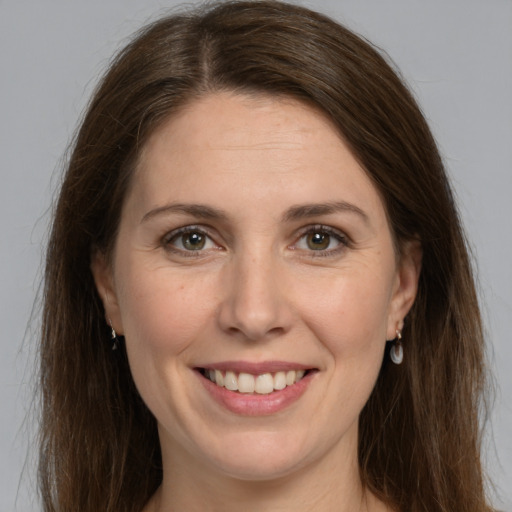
(255, 252)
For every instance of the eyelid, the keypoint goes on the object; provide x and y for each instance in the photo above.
(340, 236)
(189, 228)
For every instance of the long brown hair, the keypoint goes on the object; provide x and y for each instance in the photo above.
(419, 433)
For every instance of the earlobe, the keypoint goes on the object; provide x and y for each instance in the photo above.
(104, 280)
(406, 285)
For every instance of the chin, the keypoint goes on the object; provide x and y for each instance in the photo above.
(263, 456)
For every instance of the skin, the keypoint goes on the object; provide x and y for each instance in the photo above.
(258, 290)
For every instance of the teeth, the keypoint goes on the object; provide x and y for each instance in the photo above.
(279, 380)
(219, 378)
(262, 384)
(230, 381)
(246, 383)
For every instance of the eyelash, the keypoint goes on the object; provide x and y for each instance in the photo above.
(174, 235)
(339, 236)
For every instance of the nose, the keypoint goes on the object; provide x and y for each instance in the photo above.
(254, 305)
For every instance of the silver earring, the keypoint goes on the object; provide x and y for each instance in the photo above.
(115, 339)
(397, 350)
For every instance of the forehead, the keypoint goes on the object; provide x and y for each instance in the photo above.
(226, 144)
(242, 122)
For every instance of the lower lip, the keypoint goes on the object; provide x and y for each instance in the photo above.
(248, 404)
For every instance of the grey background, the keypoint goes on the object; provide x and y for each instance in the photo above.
(456, 56)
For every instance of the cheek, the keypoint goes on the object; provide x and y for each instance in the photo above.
(351, 319)
(163, 312)
(163, 318)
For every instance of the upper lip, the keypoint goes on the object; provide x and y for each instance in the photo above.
(255, 368)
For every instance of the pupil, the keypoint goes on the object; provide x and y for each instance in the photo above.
(193, 241)
(318, 241)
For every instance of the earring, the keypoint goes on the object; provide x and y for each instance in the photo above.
(397, 350)
(115, 339)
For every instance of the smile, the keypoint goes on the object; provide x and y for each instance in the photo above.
(256, 389)
(248, 383)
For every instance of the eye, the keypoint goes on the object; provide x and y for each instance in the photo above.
(318, 241)
(189, 239)
(321, 239)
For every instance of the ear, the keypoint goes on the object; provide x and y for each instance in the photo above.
(103, 276)
(405, 286)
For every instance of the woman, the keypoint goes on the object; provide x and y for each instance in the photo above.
(256, 219)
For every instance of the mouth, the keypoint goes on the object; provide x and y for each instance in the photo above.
(248, 383)
(253, 389)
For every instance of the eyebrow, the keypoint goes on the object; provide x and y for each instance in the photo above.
(295, 213)
(317, 209)
(200, 211)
